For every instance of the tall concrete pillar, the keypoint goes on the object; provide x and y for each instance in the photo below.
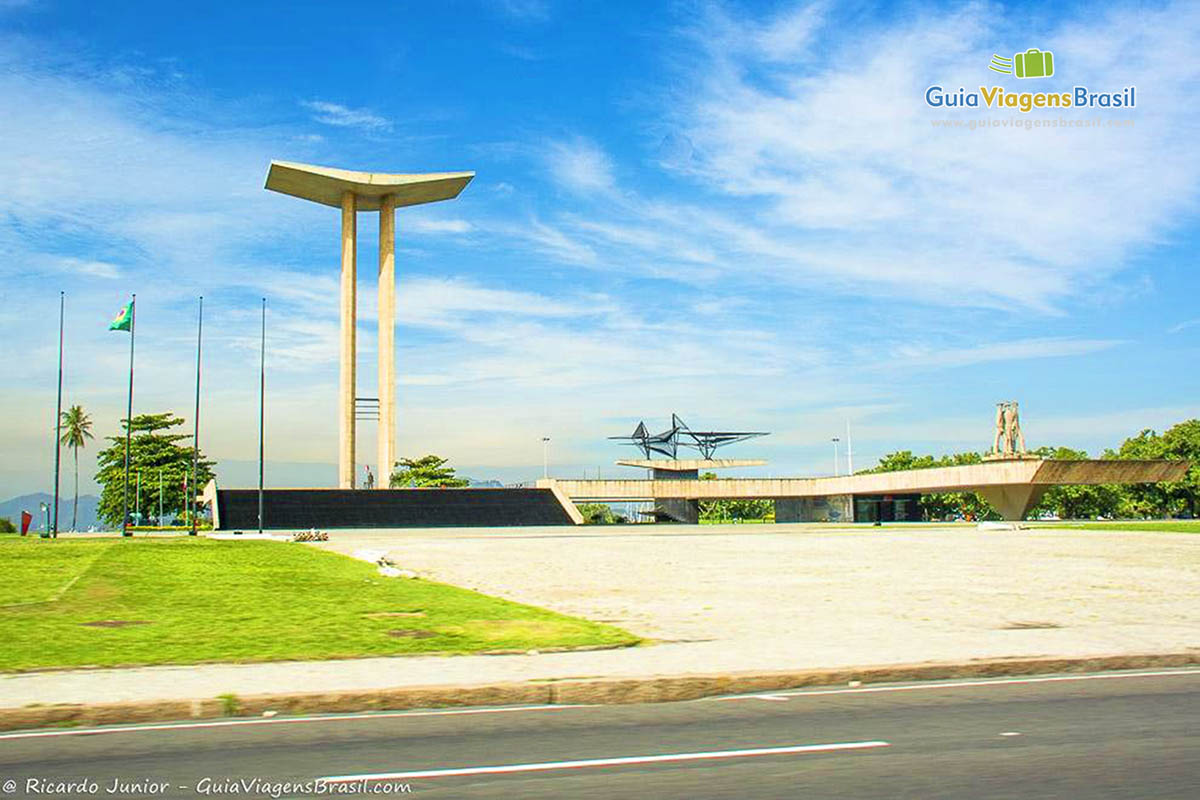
(387, 338)
(349, 352)
(366, 191)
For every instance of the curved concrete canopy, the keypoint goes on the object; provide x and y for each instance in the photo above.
(688, 464)
(326, 185)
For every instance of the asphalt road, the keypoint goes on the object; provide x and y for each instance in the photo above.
(1102, 736)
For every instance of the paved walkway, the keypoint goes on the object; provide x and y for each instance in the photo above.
(742, 598)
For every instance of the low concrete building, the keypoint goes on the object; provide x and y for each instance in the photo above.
(1012, 486)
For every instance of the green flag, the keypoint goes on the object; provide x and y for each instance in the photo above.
(124, 319)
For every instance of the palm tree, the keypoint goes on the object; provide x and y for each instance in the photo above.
(77, 428)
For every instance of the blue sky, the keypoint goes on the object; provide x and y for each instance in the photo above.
(740, 212)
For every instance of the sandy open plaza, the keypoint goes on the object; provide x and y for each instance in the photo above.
(742, 597)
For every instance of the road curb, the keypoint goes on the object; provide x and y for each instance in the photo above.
(601, 691)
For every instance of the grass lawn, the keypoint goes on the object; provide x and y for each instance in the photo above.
(181, 601)
(1170, 525)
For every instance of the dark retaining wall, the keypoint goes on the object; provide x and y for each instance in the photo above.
(388, 508)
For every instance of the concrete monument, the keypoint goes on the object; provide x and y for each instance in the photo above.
(353, 192)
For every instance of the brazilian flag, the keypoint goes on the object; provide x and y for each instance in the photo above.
(124, 320)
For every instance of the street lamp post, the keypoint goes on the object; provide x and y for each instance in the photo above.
(835, 441)
(545, 457)
(849, 451)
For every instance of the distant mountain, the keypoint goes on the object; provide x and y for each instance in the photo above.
(88, 504)
(493, 484)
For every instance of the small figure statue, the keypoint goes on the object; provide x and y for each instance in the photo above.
(370, 482)
(1008, 441)
(998, 441)
(1016, 441)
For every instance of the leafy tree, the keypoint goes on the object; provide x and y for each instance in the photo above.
(76, 430)
(902, 460)
(1181, 441)
(152, 453)
(748, 509)
(6, 525)
(970, 505)
(1142, 499)
(600, 514)
(721, 510)
(425, 472)
(941, 505)
(1082, 501)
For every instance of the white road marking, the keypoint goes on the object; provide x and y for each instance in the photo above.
(604, 762)
(964, 684)
(775, 697)
(1011, 733)
(229, 723)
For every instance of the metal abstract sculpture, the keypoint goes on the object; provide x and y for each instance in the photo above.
(679, 435)
(1008, 440)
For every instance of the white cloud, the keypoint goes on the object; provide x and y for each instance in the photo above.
(97, 269)
(789, 36)
(525, 10)
(553, 242)
(813, 163)
(1020, 350)
(667, 243)
(1110, 427)
(439, 226)
(1183, 326)
(580, 165)
(446, 302)
(785, 37)
(839, 147)
(345, 117)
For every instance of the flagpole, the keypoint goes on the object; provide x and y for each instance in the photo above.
(128, 418)
(58, 414)
(262, 385)
(193, 488)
